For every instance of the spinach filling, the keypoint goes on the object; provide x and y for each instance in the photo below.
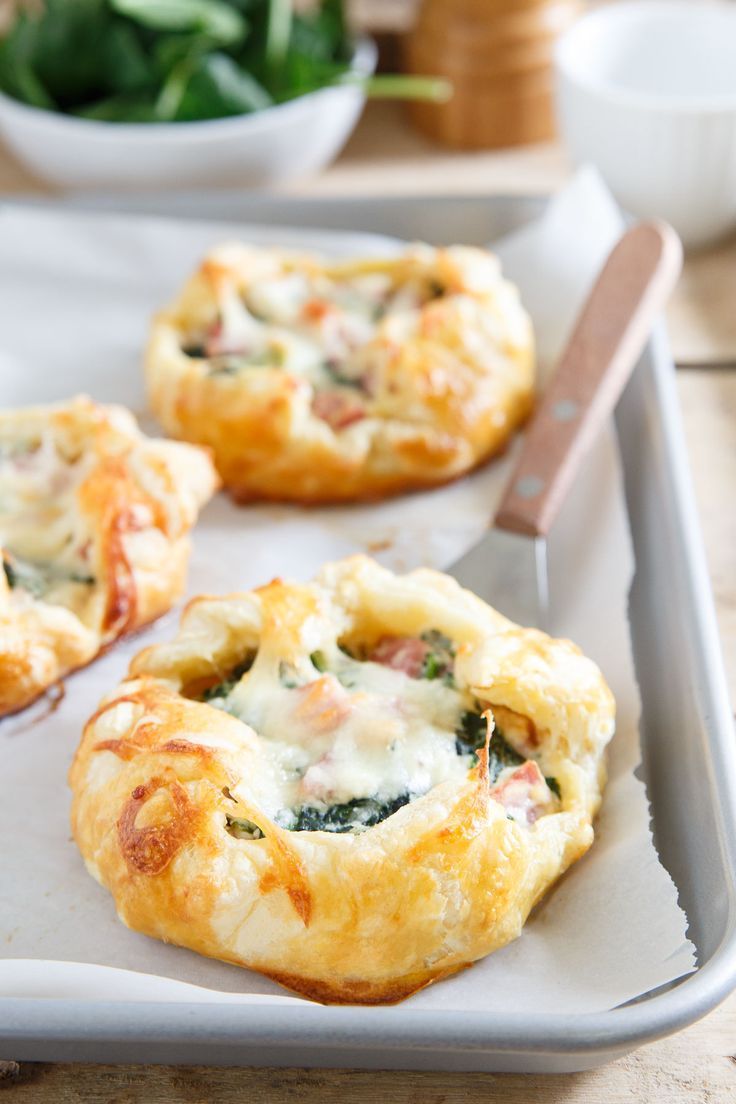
(471, 733)
(288, 676)
(10, 450)
(554, 785)
(228, 684)
(38, 578)
(365, 812)
(336, 376)
(319, 661)
(360, 813)
(439, 662)
(471, 737)
(229, 364)
(197, 352)
(241, 828)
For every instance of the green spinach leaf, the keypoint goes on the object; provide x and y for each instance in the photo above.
(215, 87)
(220, 21)
(129, 68)
(120, 109)
(63, 49)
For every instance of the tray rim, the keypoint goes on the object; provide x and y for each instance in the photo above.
(25, 1022)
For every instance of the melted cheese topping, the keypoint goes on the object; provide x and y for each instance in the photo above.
(358, 730)
(311, 326)
(39, 522)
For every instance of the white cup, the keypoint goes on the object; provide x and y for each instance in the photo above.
(646, 90)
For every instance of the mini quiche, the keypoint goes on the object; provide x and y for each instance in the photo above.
(94, 520)
(322, 382)
(356, 786)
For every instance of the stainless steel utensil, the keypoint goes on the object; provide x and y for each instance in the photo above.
(508, 567)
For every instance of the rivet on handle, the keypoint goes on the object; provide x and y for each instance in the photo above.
(565, 410)
(529, 486)
(597, 361)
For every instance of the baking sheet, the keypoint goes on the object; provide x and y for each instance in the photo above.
(78, 291)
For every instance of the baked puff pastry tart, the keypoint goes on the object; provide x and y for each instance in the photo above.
(324, 382)
(355, 787)
(94, 520)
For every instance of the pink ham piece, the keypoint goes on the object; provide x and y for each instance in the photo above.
(338, 408)
(524, 794)
(213, 345)
(317, 781)
(402, 653)
(323, 704)
(240, 338)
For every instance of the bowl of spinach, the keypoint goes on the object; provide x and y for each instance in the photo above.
(145, 93)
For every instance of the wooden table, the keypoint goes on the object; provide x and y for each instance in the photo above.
(697, 1066)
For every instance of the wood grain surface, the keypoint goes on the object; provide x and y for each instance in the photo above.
(697, 1066)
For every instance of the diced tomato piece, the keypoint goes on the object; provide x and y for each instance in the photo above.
(338, 408)
(524, 794)
(402, 653)
(314, 310)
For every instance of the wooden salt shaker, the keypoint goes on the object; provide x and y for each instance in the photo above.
(498, 55)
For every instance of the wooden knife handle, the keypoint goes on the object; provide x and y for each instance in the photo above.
(609, 336)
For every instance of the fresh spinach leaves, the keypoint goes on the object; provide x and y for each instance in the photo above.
(221, 22)
(132, 61)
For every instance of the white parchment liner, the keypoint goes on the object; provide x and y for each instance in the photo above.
(77, 292)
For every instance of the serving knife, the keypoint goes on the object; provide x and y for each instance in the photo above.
(508, 567)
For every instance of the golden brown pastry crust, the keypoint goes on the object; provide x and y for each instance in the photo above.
(442, 384)
(124, 501)
(368, 917)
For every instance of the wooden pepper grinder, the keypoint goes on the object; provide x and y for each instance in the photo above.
(498, 55)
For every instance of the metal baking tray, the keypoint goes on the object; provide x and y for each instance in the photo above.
(689, 759)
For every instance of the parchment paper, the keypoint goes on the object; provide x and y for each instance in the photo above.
(77, 292)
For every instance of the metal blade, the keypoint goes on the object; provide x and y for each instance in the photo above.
(509, 571)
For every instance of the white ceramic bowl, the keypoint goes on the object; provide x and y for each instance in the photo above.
(646, 90)
(291, 139)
